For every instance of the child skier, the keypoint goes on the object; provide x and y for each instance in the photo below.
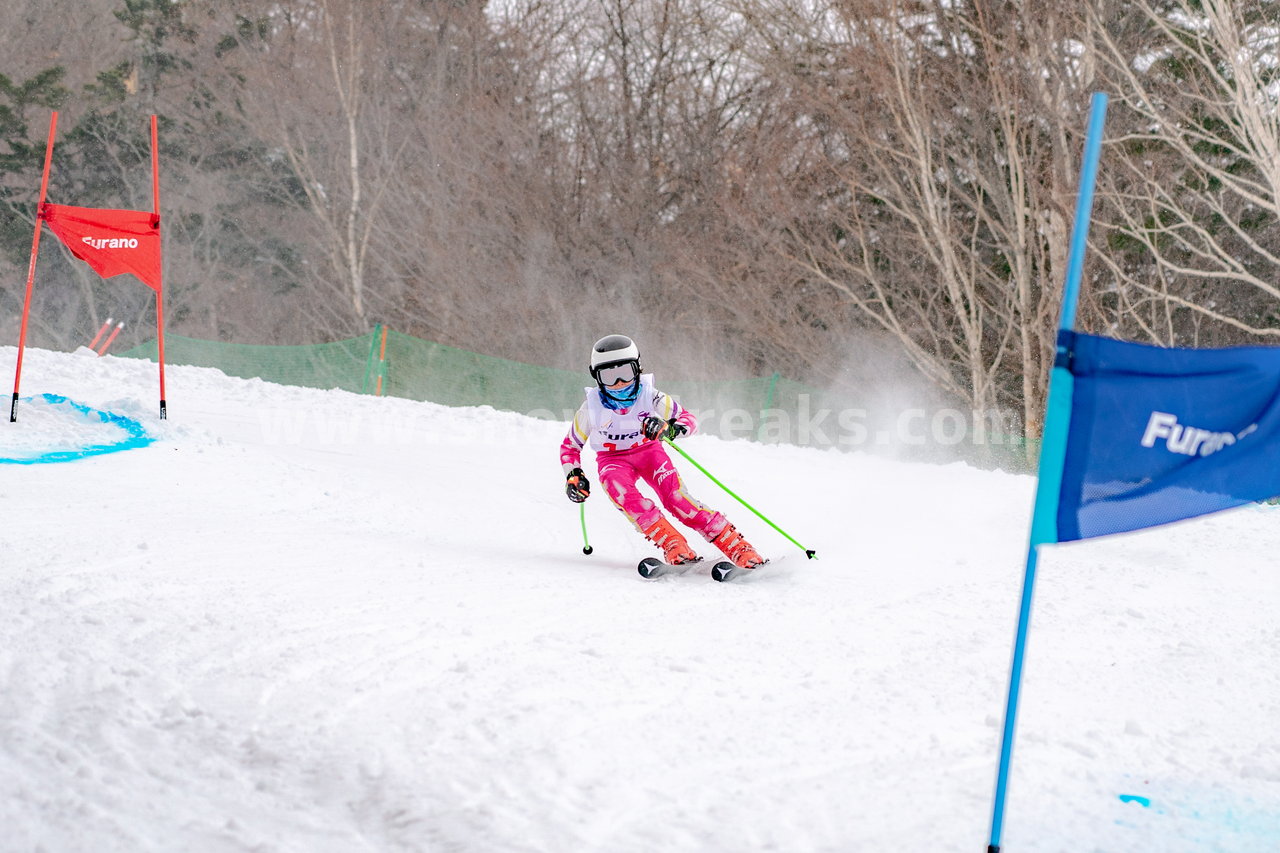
(625, 417)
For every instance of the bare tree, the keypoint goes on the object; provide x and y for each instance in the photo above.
(1193, 167)
(80, 36)
(936, 193)
(657, 111)
(307, 77)
(408, 157)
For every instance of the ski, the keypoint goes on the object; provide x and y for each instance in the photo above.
(652, 567)
(725, 571)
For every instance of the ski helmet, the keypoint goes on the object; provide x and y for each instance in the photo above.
(611, 357)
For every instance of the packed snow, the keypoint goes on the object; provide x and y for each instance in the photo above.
(306, 620)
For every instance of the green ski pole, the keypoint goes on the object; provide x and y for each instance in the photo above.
(586, 546)
(808, 553)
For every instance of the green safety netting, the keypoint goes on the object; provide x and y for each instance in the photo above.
(770, 408)
(424, 370)
(334, 365)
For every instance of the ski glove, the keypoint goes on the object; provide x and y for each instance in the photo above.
(655, 427)
(577, 486)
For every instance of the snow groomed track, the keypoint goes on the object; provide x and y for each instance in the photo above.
(307, 620)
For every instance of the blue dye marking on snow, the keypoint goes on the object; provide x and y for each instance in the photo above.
(1134, 798)
(135, 435)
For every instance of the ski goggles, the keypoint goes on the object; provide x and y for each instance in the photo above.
(613, 373)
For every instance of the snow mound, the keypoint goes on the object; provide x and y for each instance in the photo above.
(57, 429)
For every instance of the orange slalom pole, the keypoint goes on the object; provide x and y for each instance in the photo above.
(155, 197)
(31, 268)
(382, 363)
(106, 346)
(93, 344)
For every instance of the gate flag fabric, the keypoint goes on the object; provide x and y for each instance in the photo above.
(113, 242)
(1157, 435)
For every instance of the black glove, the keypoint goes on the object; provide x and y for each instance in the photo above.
(655, 427)
(577, 486)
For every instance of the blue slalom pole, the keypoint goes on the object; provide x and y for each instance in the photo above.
(1053, 452)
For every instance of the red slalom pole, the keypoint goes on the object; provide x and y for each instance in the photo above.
(31, 268)
(155, 197)
(106, 346)
(93, 344)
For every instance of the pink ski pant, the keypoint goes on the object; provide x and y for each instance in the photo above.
(621, 470)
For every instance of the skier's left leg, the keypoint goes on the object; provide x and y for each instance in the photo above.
(661, 473)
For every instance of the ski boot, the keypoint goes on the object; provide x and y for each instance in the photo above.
(736, 548)
(675, 550)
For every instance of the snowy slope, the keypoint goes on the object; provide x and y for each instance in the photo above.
(314, 621)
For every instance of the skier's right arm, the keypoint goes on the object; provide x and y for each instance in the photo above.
(576, 485)
(574, 440)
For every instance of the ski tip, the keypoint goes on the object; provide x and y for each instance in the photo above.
(648, 566)
(726, 571)
(652, 567)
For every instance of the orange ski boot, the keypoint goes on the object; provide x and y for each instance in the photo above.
(736, 548)
(675, 550)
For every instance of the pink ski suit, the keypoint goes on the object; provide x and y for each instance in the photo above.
(624, 456)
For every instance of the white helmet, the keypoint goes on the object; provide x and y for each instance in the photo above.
(613, 349)
(616, 357)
